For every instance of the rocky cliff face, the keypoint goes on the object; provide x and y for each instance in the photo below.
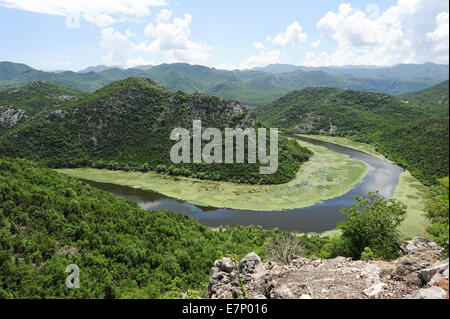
(339, 278)
(10, 116)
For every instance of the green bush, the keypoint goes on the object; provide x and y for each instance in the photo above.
(372, 223)
(367, 254)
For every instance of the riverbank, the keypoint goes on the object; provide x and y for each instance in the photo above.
(342, 141)
(409, 190)
(327, 175)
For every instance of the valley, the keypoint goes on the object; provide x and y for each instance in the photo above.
(91, 173)
(180, 152)
(309, 203)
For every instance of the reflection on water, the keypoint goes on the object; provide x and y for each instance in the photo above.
(382, 176)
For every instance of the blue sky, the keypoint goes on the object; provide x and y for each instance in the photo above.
(66, 34)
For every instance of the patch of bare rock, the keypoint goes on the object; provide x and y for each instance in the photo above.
(418, 274)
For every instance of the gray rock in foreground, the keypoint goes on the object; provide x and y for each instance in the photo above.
(339, 278)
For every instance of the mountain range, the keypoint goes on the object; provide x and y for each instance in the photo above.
(252, 87)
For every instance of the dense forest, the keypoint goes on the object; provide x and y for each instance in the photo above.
(436, 95)
(414, 135)
(49, 221)
(127, 124)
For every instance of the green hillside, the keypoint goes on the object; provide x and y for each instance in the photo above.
(37, 96)
(415, 137)
(127, 124)
(49, 221)
(254, 88)
(437, 94)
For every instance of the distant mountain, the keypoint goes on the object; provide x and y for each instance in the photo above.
(407, 72)
(99, 68)
(280, 68)
(437, 94)
(143, 67)
(127, 125)
(254, 88)
(417, 138)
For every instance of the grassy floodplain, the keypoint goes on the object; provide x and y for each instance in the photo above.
(409, 191)
(342, 141)
(414, 195)
(327, 175)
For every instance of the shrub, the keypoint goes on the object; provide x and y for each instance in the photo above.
(283, 248)
(373, 222)
(367, 254)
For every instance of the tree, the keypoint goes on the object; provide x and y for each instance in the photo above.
(373, 222)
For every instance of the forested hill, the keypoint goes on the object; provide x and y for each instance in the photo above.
(416, 137)
(20, 104)
(437, 94)
(253, 88)
(37, 96)
(127, 125)
(49, 221)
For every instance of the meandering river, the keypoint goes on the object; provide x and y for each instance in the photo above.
(382, 176)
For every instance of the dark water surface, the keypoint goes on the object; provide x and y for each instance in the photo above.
(382, 176)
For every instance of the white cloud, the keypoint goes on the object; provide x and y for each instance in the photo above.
(172, 39)
(294, 34)
(262, 59)
(99, 12)
(227, 66)
(440, 36)
(315, 44)
(164, 15)
(169, 39)
(401, 34)
(132, 62)
(258, 45)
(119, 47)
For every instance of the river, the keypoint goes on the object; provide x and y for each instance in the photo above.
(382, 176)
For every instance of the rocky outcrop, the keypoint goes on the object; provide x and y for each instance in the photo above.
(10, 116)
(339, 278)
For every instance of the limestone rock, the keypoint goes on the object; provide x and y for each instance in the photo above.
(248, 263)
(226, 265)
(338, 278)
(429, 293)
(438, 268)
(282, 292)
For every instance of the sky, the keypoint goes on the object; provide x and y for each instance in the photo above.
(231, 34)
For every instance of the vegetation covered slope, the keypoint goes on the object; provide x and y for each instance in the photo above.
(49, 221)
(127, 125)
(416, 137)
(254, 88)
(437, 94)
(18, 105)
(37, 96)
